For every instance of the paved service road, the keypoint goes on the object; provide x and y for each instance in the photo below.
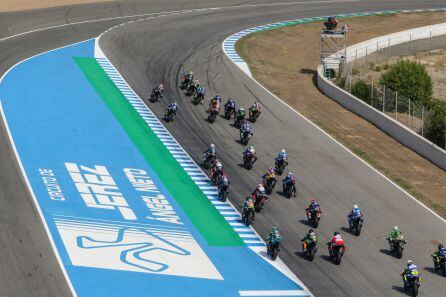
(324, 169)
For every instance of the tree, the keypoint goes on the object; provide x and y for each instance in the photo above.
(410, 79)
(436, 123)
(361, 90)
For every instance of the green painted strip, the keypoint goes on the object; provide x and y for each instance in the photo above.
(208, 221)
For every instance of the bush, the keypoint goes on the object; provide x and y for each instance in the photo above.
(340, 82)
(361, 90)
(377, 68)
(436, 123)
(410, 79)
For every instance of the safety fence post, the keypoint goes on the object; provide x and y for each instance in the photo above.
(396, 105)
(384, 99)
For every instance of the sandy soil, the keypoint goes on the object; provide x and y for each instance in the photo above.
(16, 5)
(285, 60)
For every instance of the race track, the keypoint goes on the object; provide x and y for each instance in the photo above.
(324, 169)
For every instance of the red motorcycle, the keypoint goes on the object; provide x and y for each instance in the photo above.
(216, 173)
(259, 201)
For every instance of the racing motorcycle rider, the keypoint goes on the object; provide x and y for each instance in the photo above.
(353, 215)
(223, 183)
(240, 115)
(410, 271)
(290, 180)
(250, 150)
(335, 241)
(215, 104)
(201, 91)
(439, 254)
(211, 152)
(189, 77)
(230, 105)
(249, 205)
(254, 110)
(172, 108)
(158, 91)
(245, 129)
(309, 238)
(270, 173)
(314, 205)
(259, 191)
(216, 170)
(396, 232)
(273, 237)
(282, 157)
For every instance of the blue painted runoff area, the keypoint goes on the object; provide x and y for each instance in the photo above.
(115, 226)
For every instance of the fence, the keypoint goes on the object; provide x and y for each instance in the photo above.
(407, 112)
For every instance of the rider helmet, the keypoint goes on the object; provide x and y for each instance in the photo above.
(395, 228)
(290, 173)
(310, 231)
(355, 206)
(212, 145)
(283, 151)
(242, 109)
(271, 170)
(440, 246)
(336, 233)
(410, 262)
(313, 200)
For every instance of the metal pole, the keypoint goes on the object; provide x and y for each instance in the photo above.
(422, 121)
(396, 105)
(388, 52)
(376, 55)
(430, 40)
(371, 94)
(384, 99)
(366, 55)
(356, 57)
(409, 115)
(410, 41)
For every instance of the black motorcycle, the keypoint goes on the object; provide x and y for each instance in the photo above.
(198, 97)
(248, 216)
(280, 166)
(212, 115)
(229, 111)
(397, 246)
(273, 250)
(269, 184)
(309, 249)
(412, 285)
(253, 116)
(314, 217)
(169, 115)
(238, 121)
(248, 160)
(357, 225)
(289, 188)
(156, 94)
(336, 254)
(185, 82)
(245, 136)
(223, 192)
(208, 160)
(259, 202)
(440, 265)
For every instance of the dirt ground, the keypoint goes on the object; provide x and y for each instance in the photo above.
(16, 5)
(284, 61)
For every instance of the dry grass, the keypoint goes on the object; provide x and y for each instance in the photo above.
(16, 5)
(285, 60)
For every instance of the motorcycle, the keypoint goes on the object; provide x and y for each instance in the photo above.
(208, 160)
(191, 89)
(223, 192)
(229, 111)
(248, 216)
(280, 166)
(412, 284)
(198, 97)
(169, 115)
(248, 160)
(288, 188)
(357, 225)
(309, 249)
(253, 116)
(273, 250)
(185, 81)
(336, 253)
(314, 217)
(259, 201)
(269, 183)
(245, 136)
(398, 246)
(156, 94)
(212, 115)
(238, 121)
(440, 265)
(215, 175)
(331, 24)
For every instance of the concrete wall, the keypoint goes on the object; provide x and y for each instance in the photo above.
(387, 124)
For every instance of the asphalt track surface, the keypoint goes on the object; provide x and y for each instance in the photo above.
(158, 49)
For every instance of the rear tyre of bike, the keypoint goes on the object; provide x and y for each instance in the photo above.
(224, 196)
(443, 270)
(311, 254)
(337, 258)
(274, 254)
(358, 230)
(399, 252)
(258, 206)
(315, 222)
